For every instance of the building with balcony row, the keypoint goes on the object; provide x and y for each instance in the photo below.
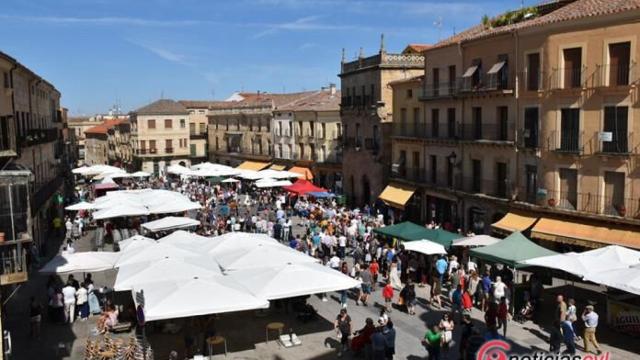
(33, 162)
(307, 134)
(109, 143)
(366, 118)
(527, 125)
(160, 136)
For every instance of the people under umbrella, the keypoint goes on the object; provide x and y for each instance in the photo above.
(343, 239)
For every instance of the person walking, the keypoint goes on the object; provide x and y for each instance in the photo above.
(69, 294)
(503, 315)
(568, 336)
(590, 318)
(365, 276)
(555, 338)
(342, 325)
(572, 315)
(390, 340)
(387, 294)
(433, 341)
(82, 301)
(35, 317)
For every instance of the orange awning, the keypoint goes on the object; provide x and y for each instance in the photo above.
(304, 172)
(397, 195)
(513, 222)
(592, 236)
(277, 167)
(253, 165)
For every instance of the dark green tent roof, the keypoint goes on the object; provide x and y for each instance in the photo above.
(408, 231)
(510, 251)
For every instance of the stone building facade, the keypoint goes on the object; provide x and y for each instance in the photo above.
(529, 126)
(366, 119)
(160, 136)
(307, 133)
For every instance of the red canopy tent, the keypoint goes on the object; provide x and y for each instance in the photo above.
(301, 187)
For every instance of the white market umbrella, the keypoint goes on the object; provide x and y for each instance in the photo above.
(590, 262)
(476, 240)
(80, 170)
(90, 261)
(83, 205)
(184, 239)
(107, 180)
(234, 241)
(166, 269)
(121, 210)
(567, 262)
(262, 255)
(153, 252)
(169, 223)
(230, 180)
(135, 240)
(178, 170)
(625, 279)
(291, 280)
(426, 247)
(141, 174)
(272, 183)
(194, 297)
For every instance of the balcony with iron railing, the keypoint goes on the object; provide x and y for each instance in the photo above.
(621, 144)
(447, 132)
(567, 78)
(440, 90)
(488, 132)
(484, 83)
(569, 142)
(495, 188)
(38, 136)
(593, 203)
(168, 150)
(615, 75)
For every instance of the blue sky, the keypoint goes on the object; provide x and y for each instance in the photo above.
(97, 51)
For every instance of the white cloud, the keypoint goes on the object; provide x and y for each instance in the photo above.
(163, 53)
(107, 20)
(307, 23)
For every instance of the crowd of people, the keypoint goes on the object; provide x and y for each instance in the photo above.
(343, 239)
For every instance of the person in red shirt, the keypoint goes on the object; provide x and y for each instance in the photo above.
(374, 268)
(467, 302)
(387, 294)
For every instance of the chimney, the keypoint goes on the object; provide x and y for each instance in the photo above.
(332, 88)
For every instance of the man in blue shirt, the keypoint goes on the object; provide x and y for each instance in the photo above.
(486, 289)
(441, 268)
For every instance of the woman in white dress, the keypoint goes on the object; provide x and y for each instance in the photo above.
(394, 277)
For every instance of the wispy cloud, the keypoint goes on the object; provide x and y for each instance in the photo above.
(307, 23)
(107, 20)
(307, 46)
(163, 53)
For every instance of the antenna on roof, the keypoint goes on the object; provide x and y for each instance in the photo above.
(438, 25)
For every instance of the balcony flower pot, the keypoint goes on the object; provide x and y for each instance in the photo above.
(551, 202)
(622, 210)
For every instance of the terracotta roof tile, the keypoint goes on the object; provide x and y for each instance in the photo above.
(417, 48)
(201, 104)
(567, 10)
(163, 107)
(318, 101)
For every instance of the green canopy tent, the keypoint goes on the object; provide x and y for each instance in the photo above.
(408, 231)
(510, 251)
